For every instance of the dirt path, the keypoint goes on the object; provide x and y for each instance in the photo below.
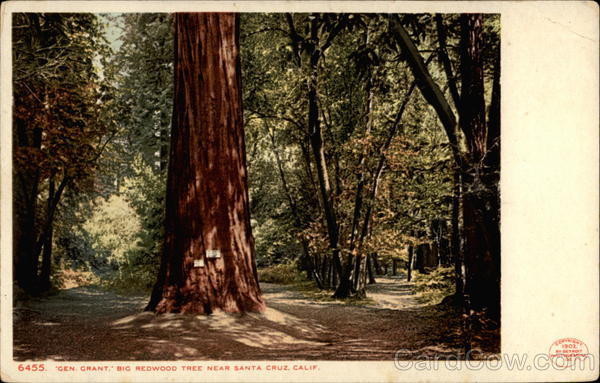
(90, 324)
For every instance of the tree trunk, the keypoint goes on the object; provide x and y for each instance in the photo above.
(481, 223)
(356, 273)
(433, 259)
(325, 272)
(370, 270)
(25, 272)
(358, 198)
(428, 87)
(208, 260)
(354, 257)
(47, 252)
(307, 261)
(455, 237)
(316, 141)
(376, 263)
(345, 287)
(480, 206)
(409, 264)
(371, 202)
(26, 186)
(308, 170)
(445, 60)
(46, 229)
(420, 258)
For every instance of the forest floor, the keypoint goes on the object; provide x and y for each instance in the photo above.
(87, 323)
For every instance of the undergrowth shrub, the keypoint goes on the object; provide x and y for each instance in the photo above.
(67, 278)
(434, 286)
(283, 273)
(130, 280)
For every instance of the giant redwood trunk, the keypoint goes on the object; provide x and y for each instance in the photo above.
(208, 260)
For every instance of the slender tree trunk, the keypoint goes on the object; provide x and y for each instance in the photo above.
(370, 270)
(316, 140)
(315, 51)
(47, 252)
(307, 261)
(373, 196)
(46, 229)
(353, 256)
(325, 272)
(409, 265)
(345, 288)
(308, 169)
(356, 272)
(376, 263)
(445, 60)
(208, 260)
(455, 236)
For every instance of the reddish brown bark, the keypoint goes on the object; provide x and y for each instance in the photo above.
(207, 205)
(480, 197)
(472, 100)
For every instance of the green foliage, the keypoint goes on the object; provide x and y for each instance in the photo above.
(67, 278)
(113, 229)
(145, 191)
(126, 230)
(416, 184)
(435, 285)
(283, 273)
(138, 156)
(62, 121)
(145, 82)
(73, 245)
(123, 237)
(59, 94)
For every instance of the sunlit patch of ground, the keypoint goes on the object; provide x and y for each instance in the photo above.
(85, 323)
